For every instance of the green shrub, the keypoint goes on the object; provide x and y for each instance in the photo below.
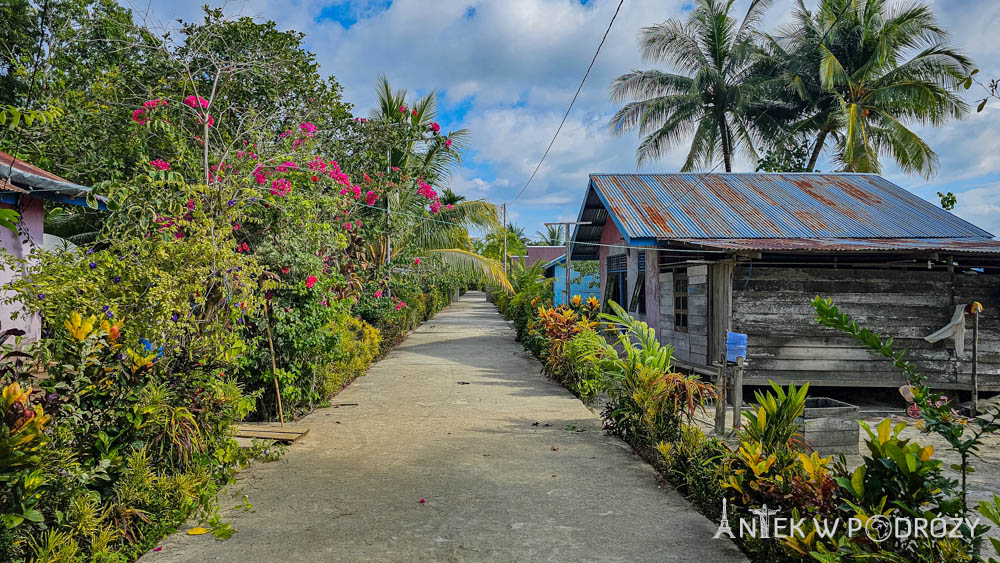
(774, 423)
(583, 373)
(357, 346)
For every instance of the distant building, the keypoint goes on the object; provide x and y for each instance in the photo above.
(587, 286)
(543, 253)
(26, 188)
(697, 255)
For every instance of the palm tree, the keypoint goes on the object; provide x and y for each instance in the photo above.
(711, 96)
(413, 230)
(437, 154)
(861, 72)
(449, 197)
(518, 233)
(552, 236)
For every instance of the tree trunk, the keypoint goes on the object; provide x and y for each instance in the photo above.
(727, 148)
(820, 139)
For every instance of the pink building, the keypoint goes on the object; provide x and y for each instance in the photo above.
(26, 188)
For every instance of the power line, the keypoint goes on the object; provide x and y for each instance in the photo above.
(573, 101)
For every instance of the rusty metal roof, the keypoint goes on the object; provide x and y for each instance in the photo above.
(962, 245)
(782, 206)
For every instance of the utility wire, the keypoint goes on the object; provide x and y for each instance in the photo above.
(573, 101)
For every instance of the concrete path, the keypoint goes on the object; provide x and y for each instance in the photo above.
(512, 467)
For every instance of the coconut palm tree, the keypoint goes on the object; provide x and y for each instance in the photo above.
(449, 197)
(552, 236)
(864, 71)
(430, 154)
(413, 230)
(710, 96)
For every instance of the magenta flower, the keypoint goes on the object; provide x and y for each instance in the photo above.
(195, 101)
(447, 144)
(139, 115)
(311, 281)
(160, 164)
(435, 127)
(378, 293)
(370, 198)
(286, 166)
(416, 261)
(281, 187)
(399, 306)
(309, 128)
(402, 109)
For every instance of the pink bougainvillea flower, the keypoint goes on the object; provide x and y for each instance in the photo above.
(324, 303)
(237, 227)
(311, 281)
(160, 164)
(447, 144)
(395, 169)
(151, 104)
(281, 187)
(190, 204)
(158, 548)
(139, 115)
(286, 166)
(348, 225)
(356, 223)
(402, 109)
(449, 207)
(370, 198)
(422, 501)
(195, 101)
(416, 261)
(400, 305)
(211, 120)
(414, 113)
(285, 269)
(435, 127)
(378, 293)
(309, 128)
(367, 179)
(317, 164)
(436, 206)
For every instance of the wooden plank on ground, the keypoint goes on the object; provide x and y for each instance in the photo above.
(272, 431)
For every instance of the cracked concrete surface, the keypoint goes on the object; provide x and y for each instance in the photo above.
(497, 486)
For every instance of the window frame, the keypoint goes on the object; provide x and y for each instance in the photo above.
(681, 295)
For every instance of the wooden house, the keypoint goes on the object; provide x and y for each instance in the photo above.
(697, 255)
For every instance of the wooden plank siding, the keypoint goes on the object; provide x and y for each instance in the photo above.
(785, 344)
(691, 345)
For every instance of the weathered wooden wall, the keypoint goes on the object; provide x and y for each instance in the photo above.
(771, 305)
(690, 346)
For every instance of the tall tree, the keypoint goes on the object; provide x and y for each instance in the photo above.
(711, 94)
(863, 72)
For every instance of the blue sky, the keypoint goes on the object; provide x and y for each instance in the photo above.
(506, 70)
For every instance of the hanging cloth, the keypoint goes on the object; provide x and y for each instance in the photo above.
(954, 329)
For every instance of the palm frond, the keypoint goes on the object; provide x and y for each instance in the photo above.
(485, 270)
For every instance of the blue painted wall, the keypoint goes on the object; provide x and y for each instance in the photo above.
(582, 289)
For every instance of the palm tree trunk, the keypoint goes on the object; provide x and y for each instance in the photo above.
(820, 139)
(727, 148)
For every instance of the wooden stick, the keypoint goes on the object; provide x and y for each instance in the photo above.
(720, 405)
(974, 406)
(274, 366)
(738, 395)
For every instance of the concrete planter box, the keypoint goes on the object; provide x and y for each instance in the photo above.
(830, 426)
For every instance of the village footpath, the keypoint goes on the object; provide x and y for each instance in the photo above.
(459, 449)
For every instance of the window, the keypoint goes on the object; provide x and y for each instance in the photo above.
(638, 302)
(616, 288)
(680, 301)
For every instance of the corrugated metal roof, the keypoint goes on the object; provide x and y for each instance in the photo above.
(672, 206)
(17, 175)
(969, 245)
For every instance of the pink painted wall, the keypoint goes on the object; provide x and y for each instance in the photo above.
(612, 236)
(31, 226)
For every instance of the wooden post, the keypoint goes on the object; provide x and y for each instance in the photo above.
(720, 405)
(974, 406)
(738, 395)
(569, 267)
(274, 367)
(505, 239)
